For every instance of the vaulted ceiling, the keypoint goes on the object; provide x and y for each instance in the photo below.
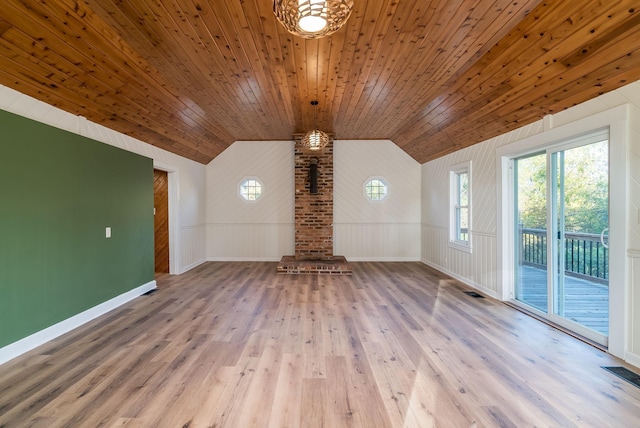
(434, 76)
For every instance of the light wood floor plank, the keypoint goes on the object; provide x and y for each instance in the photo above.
(286, 409)
(314, 404)
(238, 345)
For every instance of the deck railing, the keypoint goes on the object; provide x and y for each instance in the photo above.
(584, 255)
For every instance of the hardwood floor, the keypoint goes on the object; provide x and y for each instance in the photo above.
(237, 345)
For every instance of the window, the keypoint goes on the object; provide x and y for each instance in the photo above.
(375, 189)
(460, 201)
(250, 189)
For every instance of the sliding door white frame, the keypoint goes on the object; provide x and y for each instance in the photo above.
(616, 120)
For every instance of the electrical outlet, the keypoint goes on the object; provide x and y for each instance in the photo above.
(107, 232)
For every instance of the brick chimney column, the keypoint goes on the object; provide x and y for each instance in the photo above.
(314, 212)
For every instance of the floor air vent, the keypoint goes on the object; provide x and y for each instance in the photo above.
(625, 374)
(474, 294)
(150, 292)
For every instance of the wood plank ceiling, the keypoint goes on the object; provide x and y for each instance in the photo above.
(434, 76)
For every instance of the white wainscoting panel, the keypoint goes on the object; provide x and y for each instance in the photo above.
(477, 269)
(192, 246)
(377, 241)
(245, 241)
(632, 355)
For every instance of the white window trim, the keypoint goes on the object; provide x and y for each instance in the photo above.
(262, 190)
(454, 242)
(364, 189)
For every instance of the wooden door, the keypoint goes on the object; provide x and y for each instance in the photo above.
(161, 220)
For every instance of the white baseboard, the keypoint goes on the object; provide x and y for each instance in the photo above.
(484, 290)
(350, 259)
(243, 259)
(191, 266)
(15, 349)
(383, 259)
(632, 358)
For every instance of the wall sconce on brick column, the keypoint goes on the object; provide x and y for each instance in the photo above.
(313, 175)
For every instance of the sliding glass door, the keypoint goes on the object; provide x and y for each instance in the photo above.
(531, 282)
(561, 209)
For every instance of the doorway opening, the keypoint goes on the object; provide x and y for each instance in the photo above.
(161, 220)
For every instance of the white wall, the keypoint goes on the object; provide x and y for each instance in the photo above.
(260, 230)
(264, 230)
(187, 177)
(387, 230)
(480, 268)
(633, 229)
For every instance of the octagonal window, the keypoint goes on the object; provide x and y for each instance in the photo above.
(376, 189)
(250, 189)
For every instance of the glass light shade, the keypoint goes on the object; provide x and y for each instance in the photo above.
(312, 24)
(312, 19)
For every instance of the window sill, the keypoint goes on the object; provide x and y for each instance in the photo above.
(460, 246)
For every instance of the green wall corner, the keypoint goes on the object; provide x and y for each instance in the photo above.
(58, 193)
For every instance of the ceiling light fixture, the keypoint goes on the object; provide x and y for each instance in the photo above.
(316, 139)
(312, 19)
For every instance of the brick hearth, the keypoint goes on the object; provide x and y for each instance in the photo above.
(337, 266)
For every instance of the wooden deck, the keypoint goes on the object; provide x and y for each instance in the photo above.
(238, 345)
(586, 302)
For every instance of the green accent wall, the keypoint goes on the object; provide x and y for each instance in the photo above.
(58, 193)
